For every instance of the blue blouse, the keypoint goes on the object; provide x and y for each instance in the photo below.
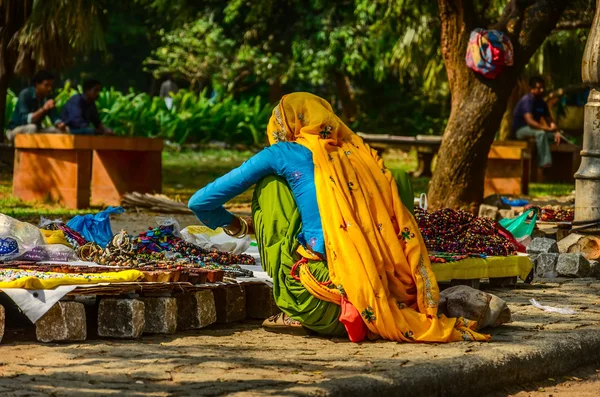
(289, 160)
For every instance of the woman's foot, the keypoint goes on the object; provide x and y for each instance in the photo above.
(282, 323)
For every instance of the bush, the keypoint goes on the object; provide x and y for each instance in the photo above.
(193, 118)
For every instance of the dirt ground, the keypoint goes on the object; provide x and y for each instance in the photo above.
(243, 359)
(583, 382)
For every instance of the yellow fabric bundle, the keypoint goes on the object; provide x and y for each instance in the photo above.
(31, 280)
(375, 252)
(55, 237)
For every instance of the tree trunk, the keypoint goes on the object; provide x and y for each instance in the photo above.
(275, 91)
(506, 124)
(4, 79)
(346, 97)
(478, 103)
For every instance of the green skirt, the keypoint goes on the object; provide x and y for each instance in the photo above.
(277, 225)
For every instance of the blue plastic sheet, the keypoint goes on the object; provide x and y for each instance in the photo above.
(96, 227)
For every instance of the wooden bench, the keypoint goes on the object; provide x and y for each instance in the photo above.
(427, 146)
(78, 170)
(508, 169)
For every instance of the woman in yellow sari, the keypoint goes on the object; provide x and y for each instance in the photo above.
(372, 263)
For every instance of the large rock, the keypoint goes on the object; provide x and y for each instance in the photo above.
(260, 303)
(65, 321)
(160, 315)
(121, 318)
(2, 321)
(196, 310)
(488, 211)
(545, 265)
(573, 265)
(231, 304)
(486, 309)
(542, 246)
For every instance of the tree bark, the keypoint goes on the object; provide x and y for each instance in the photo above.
(518, 91)
(275, 91)
(346, 97)
(478, 103)
(4, 79)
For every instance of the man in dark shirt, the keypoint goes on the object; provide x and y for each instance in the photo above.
(80, 112)
(528, 118)
(33, 105)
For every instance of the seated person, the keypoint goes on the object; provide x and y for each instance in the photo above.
(532, 119)
(33, 105)
(80, 112)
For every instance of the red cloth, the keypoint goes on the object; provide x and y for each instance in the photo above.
(355, 326)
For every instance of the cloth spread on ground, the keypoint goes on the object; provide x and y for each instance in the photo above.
(490, 267)
(31, 279)
(376, 255)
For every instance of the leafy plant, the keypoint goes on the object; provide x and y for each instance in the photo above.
(193, 118)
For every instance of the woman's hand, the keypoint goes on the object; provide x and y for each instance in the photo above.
(250, 223)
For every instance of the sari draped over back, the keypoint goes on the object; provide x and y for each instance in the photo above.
(375, 253)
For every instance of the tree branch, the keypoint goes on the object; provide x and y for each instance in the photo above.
(571, 25)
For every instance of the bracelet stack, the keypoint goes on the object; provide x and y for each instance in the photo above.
(243, 232)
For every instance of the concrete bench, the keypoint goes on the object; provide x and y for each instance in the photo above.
(78, 170)
(427, 147)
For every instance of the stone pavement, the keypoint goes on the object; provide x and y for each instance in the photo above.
(243, 359)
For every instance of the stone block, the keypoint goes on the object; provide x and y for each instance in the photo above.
(65, 321)
(542, 246)
(121, 318)
(595, 269)
(545, 265)
(488, 211)
(160, 315)
(2, 321)
(230, 303)
(196, 310)
(573, 265)
(260, 303)
(506, 214)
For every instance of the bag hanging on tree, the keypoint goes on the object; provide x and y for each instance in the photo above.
(488, 52)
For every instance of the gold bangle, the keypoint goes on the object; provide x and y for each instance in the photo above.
(243, 232)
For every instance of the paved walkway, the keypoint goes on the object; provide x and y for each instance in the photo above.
(244, 359)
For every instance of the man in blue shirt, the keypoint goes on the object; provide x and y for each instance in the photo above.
(33, 105)
(80, 113)
(532, 118)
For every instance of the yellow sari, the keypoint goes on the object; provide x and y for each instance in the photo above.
(375, 253)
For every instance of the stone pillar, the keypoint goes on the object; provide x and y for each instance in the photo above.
(65, 321)
(160, 315)
(121, 318)
(587, 178)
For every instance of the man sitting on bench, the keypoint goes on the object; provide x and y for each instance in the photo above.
(80, 111)
(532, 119)
(33, 105)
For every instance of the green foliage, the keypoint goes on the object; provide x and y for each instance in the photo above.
(196, 51)
(193, 118)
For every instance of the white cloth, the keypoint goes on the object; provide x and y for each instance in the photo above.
(36, 302)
